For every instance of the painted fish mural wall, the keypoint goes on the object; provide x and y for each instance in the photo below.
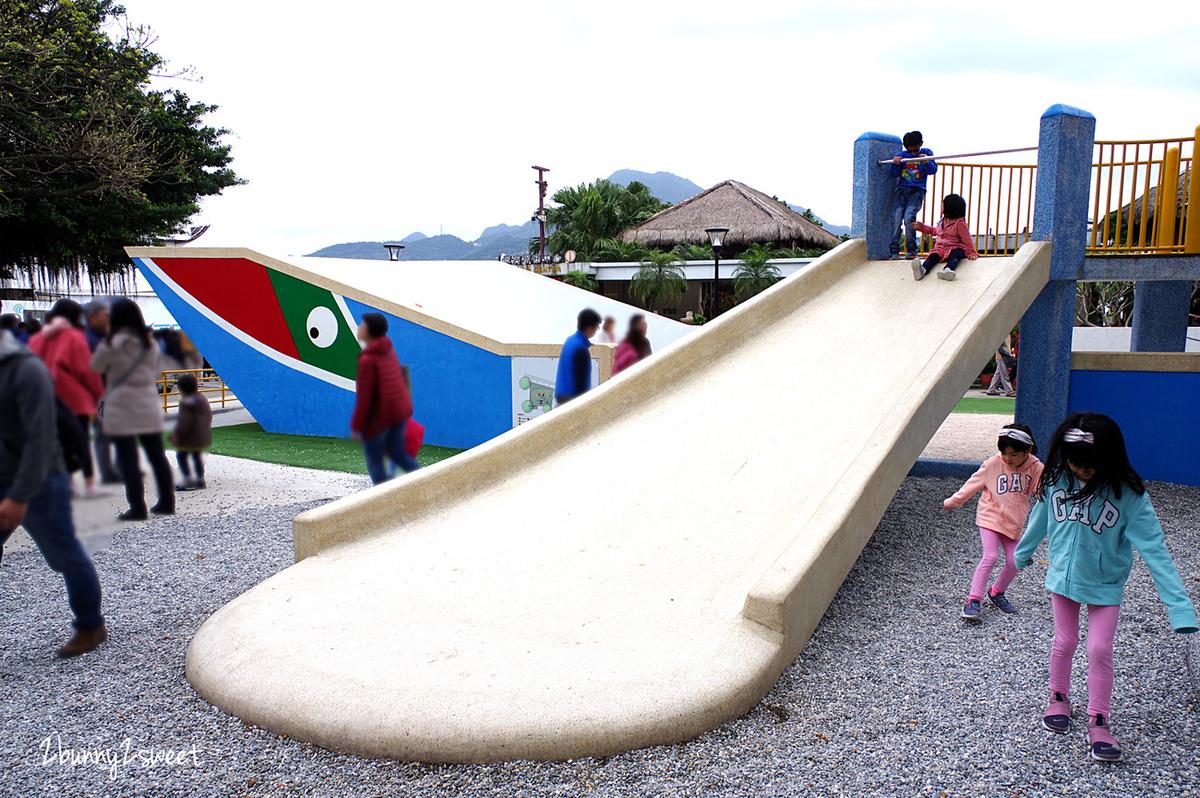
(285, 340)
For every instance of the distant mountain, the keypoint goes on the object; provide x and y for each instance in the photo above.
(836, 229)
(511, 239)
(443, 247)
(664, 185)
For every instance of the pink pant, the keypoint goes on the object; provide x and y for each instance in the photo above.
(992, 541)
(1102, 628)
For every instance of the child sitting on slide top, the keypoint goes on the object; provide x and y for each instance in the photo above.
(953, 243)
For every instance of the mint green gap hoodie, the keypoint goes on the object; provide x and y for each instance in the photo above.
(1091, 544)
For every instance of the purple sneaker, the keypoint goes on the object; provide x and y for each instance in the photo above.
(1104, 745)
(1058, 714)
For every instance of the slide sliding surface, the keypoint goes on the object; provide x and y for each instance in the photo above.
(635, 567)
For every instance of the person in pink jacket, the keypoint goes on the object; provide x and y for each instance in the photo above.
(954, 241)
(1007, 480)
(62, 345)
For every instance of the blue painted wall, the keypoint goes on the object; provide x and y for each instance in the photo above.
(1158, 415)
(461, 393)
(282, 400)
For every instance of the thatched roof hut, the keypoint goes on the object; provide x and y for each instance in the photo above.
(1150, 199)
(751, 216)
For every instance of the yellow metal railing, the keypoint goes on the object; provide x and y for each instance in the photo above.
(1126, 175)
(999, 203)
(1129, 175)
(207, 379)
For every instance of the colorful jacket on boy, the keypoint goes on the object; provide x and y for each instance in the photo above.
(1091, 545)
(1004, 504)
(913, 174)
(951, 234)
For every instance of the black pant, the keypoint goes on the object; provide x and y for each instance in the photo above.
(951, 260)
(197, 458)
(104, 461)
(131, 470)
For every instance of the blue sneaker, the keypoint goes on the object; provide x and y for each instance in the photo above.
(1001, 603)
(973, 611)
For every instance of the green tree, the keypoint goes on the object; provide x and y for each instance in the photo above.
(755, 273)
(660, 276)
(812, 217)
(611, 250)
(592, 212)
(580, 279)
(91, 160)
(686, 252)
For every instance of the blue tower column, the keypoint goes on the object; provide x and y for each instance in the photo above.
(1160, 315)
(1064, 175)
(874, 191)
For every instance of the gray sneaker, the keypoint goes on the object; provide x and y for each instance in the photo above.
(946, 274)
(918, 269)
(973, 611)
(1002, 604)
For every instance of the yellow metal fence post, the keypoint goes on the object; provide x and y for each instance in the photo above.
(1191, 223)
(1168, 200)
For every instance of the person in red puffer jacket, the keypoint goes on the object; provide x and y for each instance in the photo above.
(382, 404)
(62, 345)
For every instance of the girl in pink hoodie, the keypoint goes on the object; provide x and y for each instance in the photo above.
(954, 241)
(1007, 480)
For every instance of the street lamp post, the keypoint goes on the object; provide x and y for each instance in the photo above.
(394, 251)
(716, 237)
(540, 216)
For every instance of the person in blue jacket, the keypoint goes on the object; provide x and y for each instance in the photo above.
(575, 360)
(910, 191)
(1093, 510)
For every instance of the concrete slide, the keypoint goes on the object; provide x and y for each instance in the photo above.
(633, 568)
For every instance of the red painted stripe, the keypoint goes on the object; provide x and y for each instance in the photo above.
(239, 291)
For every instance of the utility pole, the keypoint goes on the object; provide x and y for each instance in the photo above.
(541, 211)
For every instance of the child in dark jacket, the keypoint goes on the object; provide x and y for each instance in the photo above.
(193, 433)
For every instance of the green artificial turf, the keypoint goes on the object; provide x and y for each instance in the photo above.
(999, 405)
(251, 442)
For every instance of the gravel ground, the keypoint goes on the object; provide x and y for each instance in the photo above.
(894, 695)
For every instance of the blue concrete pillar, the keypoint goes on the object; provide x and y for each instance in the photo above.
(1160, 315)
(874, 189)
(1064, 176)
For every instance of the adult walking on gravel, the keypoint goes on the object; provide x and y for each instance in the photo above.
(132, 412)
(382, 404)
(63, 347)
(96, 331)
(35, 490)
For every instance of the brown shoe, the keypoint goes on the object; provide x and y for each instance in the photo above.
(83, 641)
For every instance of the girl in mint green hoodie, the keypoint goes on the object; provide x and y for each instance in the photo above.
(1093, 508)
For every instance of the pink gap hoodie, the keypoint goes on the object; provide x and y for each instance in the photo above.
(1004, 505)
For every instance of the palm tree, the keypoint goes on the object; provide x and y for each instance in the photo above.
(660, 277)
(755, 273)
(592, 212)
(686, 252)
(580, 279)
(610, 250)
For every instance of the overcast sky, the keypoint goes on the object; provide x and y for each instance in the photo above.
(368, 120)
